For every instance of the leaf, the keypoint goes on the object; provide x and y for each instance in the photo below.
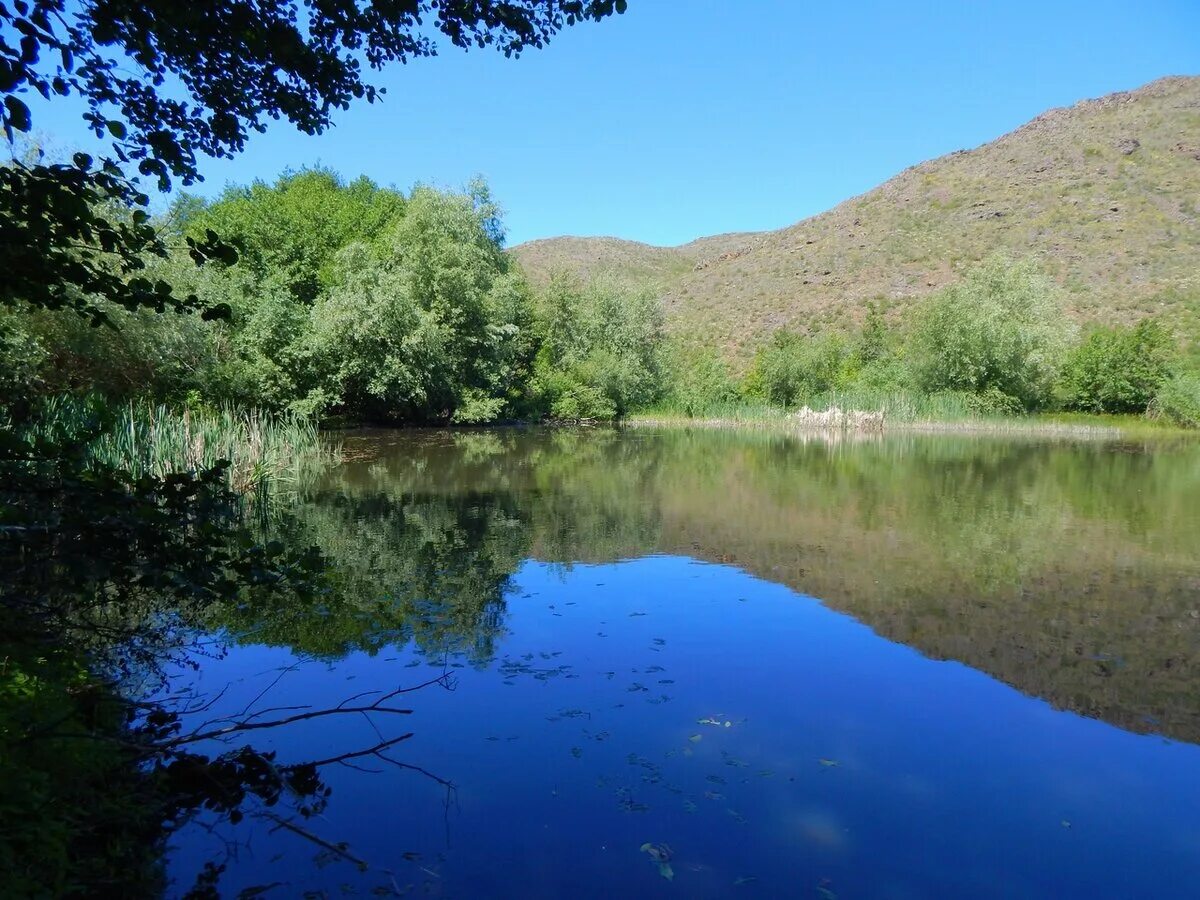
(116, 129)
(829, 763)
(696, 738)
(18, 113)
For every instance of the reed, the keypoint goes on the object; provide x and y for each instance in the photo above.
(144, 438)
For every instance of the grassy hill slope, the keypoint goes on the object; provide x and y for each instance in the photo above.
(1105, 195)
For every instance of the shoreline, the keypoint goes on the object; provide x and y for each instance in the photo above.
(1015, 427)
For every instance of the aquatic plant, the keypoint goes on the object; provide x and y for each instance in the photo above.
(156, 439)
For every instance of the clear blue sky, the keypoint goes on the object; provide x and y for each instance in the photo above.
(683, 118)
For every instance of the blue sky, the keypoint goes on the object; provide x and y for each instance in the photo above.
(683, 118)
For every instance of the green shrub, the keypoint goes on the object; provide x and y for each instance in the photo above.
(1178, 400)
(1000, 331)
(698, 380)
(794, 366)
(1118, 370)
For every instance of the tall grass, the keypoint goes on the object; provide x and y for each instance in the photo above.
(899, 406)
(155, 439)
(904, 410)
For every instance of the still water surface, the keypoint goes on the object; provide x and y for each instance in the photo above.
(900, 668)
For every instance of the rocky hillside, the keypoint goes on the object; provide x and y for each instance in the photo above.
(1105, 195)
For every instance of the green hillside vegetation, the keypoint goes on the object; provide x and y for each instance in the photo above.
(1101, 196)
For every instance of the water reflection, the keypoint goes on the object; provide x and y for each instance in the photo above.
(650, 701)
(1067, 570)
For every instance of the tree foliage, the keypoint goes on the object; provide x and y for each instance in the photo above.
(794, 367)
(1001, 329)
(1118, 370)
(601, 348)
(167, 81)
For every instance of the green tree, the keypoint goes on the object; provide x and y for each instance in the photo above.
(1178, 400)
(431, 325)
(697, 379)
(1118, 370)
(1001, 330)
(601, 353)
(795, 367)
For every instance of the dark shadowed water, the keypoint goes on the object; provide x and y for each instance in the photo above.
(900, 668)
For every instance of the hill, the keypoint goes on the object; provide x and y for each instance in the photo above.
(1105, 195)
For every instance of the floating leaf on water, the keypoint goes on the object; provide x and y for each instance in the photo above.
(737, 816)
(696, 738)
(689, 806)
(409, 665)
(713, 795)
(635, 687)
(714, 779)
(708, 720)
(829, 763)
(666, 681)
(1066, 823)
(665, 870)
(492, 737)
(653, 669)
(660, 642)
(825, 893)
(766, 773)
(745, 879)
(577, 752)
(632, 614)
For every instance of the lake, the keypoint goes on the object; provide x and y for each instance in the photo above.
(718, 664)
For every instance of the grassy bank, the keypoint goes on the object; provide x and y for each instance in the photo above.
(910, 413)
